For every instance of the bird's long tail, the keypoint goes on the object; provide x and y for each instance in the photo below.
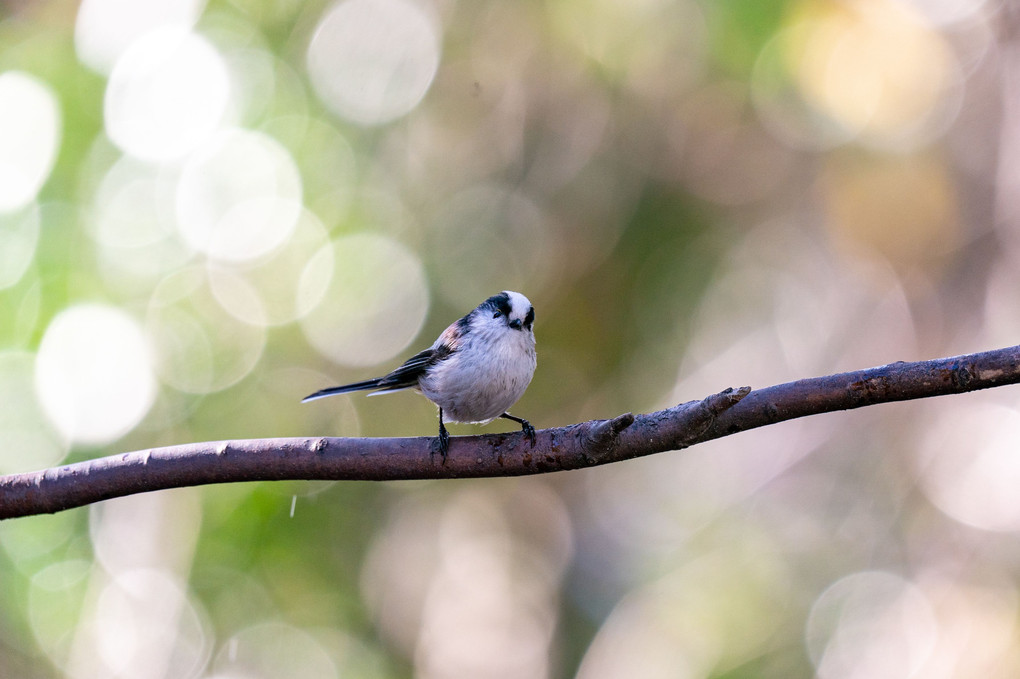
(376, 383)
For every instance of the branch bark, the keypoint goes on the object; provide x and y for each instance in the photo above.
(580, 445)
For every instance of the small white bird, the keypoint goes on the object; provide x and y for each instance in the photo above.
(474, 372)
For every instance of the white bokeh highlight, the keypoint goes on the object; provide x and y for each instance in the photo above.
(132, 222)
(270, 291)
(969, 466)
(27, 440)
(136, 617)
(50, 588)
(198, 347)
(875, 72)
(167, 94)
(372, 61)
(104, 29)
(375, 303)
(493, 593)
(142, 625)
(29, 137)
(871, 625)
(239, 198)
(19, 236)
(274, 649)
(94, 374)
(133, 206)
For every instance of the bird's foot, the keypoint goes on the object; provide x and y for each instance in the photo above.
(529, 431)
(441, 444)
(526, 427)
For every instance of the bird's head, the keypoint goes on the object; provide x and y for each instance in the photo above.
(511, 309)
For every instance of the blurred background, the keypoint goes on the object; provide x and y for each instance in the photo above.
(209, 209)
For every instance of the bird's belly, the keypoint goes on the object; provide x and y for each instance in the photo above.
(473, 397)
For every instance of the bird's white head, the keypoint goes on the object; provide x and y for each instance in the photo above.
(507, 309)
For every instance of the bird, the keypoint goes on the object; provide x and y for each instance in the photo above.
(475, 370)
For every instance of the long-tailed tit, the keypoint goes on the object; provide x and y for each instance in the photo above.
(474, 372)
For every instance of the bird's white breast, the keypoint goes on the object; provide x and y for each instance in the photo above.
(487, 374)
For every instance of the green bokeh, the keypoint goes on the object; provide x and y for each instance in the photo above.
(673, 241)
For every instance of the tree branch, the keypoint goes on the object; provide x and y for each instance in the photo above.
(576, 446)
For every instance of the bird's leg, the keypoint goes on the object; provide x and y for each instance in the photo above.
(443, 441)
(526, 427)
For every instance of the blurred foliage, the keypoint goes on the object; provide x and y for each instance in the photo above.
(208, 211)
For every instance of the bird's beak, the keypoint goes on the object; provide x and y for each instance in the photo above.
(516, 324)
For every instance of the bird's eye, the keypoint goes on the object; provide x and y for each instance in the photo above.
(497, 314)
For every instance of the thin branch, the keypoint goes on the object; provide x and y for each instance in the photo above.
(573, 447)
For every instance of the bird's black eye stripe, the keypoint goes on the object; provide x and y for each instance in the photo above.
(500, 303)
(530, 318)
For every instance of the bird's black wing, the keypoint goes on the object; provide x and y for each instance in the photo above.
(408, 373)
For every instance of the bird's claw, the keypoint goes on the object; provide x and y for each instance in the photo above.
(529, 431)
(441, 443)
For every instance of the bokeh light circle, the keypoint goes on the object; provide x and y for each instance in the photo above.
(27, 440)
(273, 649)
(50, 594)
(132, 223)
(679, 624)
(272, 291)
(198, 347)
(371, 61)
(875, 72)
(970, 467)
(142, 615)
(240, 197)
(871, 625)
(29, 137)
(375, 303)
(19, 236)
(105, 28)
(167, 94)
(94, 373)
(947, 13)
(132, 206)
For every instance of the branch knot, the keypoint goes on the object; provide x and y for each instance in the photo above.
(603, 436)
